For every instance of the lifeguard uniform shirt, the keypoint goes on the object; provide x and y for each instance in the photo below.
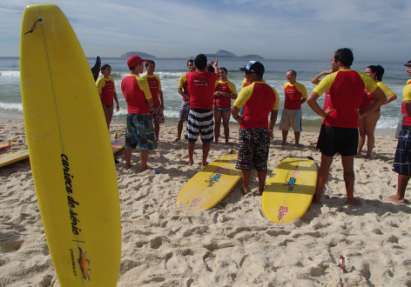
(293, 94)
(226, 87)
(258, 100)
(106, 90)
(201, 87)
(182, 84)
(369, 97)
(136, 92)
(155, 89)
(406, 98)
(346, 92)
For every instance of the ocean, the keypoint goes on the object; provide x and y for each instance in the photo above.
(170, 70)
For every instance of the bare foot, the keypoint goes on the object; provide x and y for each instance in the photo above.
(283, 143)
(204, 163)
(190, 162)
(260, 192)
(244, 190)
(395, 199)
(143, 168)
(176, 140)
(127, 165)
(317, 198)
(353, 201)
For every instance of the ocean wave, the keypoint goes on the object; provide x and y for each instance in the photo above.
(11, 106)
(10, 74)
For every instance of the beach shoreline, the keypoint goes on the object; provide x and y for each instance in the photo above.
(231, 244)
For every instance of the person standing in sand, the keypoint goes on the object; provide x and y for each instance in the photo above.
(339, 133)
(185, 107)
(140, 131)
(157, 94)
(225, 90)
(368, 123)
(107, 92)
(295, 95)
(258, 101)
(201, 85)
(402, 161)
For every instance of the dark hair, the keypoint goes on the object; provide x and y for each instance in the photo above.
(200, 61)
(378, 70)
(105, 66)
(345, 56)
(190, 61)
(224, 69)
(293, 72)
(148, 62)
(210, 68)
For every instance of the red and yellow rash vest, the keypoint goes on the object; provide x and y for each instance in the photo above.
(245, 83)
(201, 87)
(106, 90)
(406, 99)
(346, 89)
(293, 94)
(155, 89)
(136, 92)
(258, 100)
(226, 87)
(182, 84)
(369, 97)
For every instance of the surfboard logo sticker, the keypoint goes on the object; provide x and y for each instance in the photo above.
(214, 179)
(84, 264)
(282, 211)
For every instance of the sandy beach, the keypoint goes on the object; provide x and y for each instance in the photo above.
(232, 244)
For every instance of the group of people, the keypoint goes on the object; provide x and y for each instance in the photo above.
(350, 112)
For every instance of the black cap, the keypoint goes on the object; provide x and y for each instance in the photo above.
(408, 64)
(254, 67)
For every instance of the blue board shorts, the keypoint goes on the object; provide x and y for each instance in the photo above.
(140, 132)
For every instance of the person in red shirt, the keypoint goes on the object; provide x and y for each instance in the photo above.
(402, 160)
(295, 95)
(225, 90)
(201, 85)
(107, 92)
(339, 133)
(258, 100)
(157, 94)
(183, 91)
(140, 131)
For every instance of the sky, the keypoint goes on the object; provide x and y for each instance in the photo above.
(276, 29)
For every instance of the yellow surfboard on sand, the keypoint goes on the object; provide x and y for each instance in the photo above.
(70, 151)
(210, 185)
(13, 157)
(289, 192)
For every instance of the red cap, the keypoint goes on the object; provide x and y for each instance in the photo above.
(133, 61)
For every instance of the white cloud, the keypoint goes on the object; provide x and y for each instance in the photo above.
(277, 29)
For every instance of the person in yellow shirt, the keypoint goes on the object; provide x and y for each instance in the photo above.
(402, 161)
(107, 92)
(368, 123)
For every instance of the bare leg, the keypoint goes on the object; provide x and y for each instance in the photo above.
(261, 181)
(206, 149)
(349, 177)
(401, 187)
(285, 134)
(371, 123)
(217, 118)
(226, 124)
(127, 157)
(297, 137)
(246, 180)
(322, 176)
(179, 130)
(191, 146)
(144, 159)
(157, 130)
(362, 135)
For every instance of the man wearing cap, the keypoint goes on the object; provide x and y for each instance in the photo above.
(201, 85)
(402, 161)
(140, 131)
(339, 132)
(258, 100)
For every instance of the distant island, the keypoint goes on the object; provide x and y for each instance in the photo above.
(141, 54)
(219, 54)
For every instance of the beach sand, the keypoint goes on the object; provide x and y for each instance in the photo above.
(232, 244)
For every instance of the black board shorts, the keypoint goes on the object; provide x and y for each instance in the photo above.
(333, 140)
(402, 159)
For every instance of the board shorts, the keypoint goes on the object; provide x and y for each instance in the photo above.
(200, 122)
(254, 148)
(185, 109)
(140, 132)
(402, 158)
(158, 115)
(333, 140)
(291, 118)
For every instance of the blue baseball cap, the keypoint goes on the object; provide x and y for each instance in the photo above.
(254, 67)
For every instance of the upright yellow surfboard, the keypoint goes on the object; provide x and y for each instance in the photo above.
(70, 151)
(289, 192)
(210, 185)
